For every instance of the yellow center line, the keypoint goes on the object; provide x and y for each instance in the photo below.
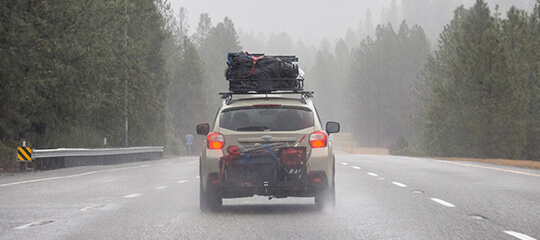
(493, 168)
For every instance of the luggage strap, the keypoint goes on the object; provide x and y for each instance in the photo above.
(254, 62)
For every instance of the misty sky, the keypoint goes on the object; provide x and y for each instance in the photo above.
(309, 20)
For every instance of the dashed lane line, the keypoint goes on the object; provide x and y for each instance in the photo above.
(355, 167)
(160, 187)
(442, 202)
(345, 164)
(34, 224)
(399, 184)
(519, 235)
(182, 181)
(132, 195)
(92, 207)
(372, 174)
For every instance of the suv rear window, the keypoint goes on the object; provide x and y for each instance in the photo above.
(266, 119)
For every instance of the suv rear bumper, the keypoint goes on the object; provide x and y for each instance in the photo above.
(307, 187)
(320, 161)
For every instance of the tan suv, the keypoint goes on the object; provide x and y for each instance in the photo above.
(269, 144)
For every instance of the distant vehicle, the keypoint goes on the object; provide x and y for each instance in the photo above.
(267, 142)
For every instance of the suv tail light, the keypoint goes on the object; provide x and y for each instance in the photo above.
(215, 140)
(318, 139)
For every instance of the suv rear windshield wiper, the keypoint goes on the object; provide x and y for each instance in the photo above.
(253, 128)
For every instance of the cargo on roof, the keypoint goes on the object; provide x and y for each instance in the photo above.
(262, 73)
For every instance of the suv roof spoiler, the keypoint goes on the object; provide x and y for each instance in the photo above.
(304, 95)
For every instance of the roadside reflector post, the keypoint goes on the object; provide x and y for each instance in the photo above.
(22, 167)
(24, 156)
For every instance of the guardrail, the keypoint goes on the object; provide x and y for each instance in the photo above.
(43, 159)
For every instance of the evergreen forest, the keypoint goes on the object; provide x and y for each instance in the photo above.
(133, 72)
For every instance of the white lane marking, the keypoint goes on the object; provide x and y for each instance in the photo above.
(345, 163)
(132, 195)
(414, 159)
(492, 168)
(197, 177)
(355, 167)
(399, 184)
(160, 187)
(444, 203)
(125, 168)
(519, 235)
(92, 207)
(35, 224)
(372, 174)
(70, 176)
(48, 179)
(182, 181)
(80, 174)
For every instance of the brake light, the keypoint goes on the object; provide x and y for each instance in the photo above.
(215, 140)
(318, 139)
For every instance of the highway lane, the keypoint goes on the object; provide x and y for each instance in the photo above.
(378, 197)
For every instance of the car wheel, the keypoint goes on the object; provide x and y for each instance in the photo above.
(209, 198)
(326, 198)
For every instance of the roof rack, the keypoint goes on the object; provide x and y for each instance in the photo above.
(304, 95)
(266, 85)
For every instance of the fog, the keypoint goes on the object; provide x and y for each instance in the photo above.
(311, 21)
(327, 38)
(308, 20)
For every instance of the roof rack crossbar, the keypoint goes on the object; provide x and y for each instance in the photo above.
(304, 95)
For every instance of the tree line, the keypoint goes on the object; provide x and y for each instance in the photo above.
(69, 69)
(76, 72)
(481, 89)
(473, 94)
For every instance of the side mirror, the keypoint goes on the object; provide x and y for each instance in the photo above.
(203, 129)
(332, 127)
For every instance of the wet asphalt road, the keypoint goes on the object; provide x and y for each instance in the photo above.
(378, 197)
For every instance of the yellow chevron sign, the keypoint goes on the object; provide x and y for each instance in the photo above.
(25, 154)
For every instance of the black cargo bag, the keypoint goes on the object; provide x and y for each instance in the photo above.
(259, 66)
(240, 67)
(262, 73)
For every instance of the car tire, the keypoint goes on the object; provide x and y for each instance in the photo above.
(209, 198)
(326, 198)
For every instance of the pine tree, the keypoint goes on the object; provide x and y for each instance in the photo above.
(221, 40)
(530, 52)
(475, 104)
(203, 31)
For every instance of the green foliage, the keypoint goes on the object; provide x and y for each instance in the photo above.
(480, 87)
(63, 70)
(400, 147)
(186, 106)
(221, 40)
(382, 81)
(196, 74)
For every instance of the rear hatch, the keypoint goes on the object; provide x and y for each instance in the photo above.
(266, 124)
(266, 145)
